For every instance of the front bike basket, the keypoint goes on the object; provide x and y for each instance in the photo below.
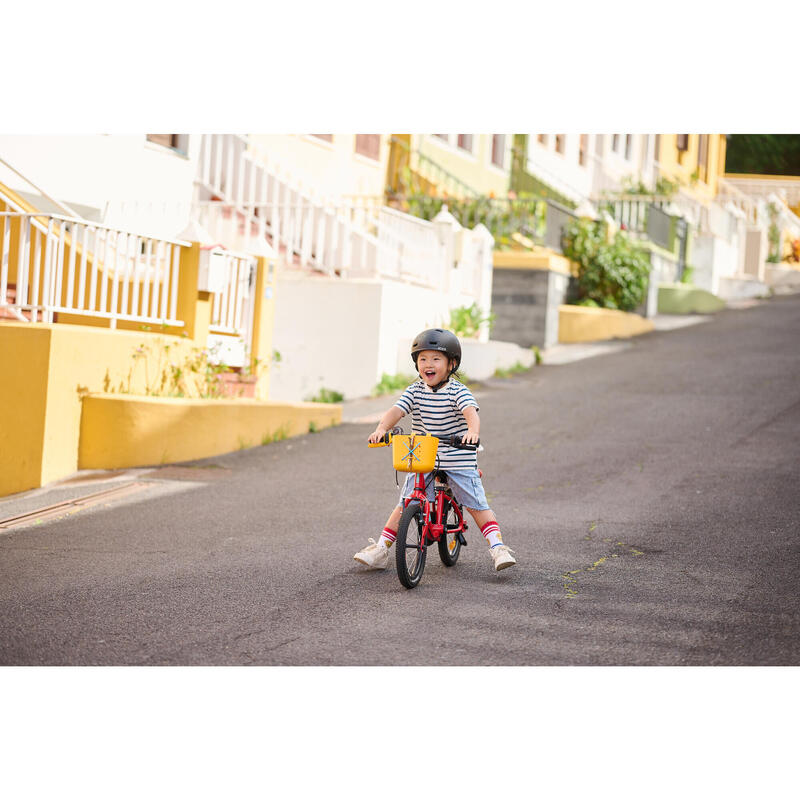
(415, 453)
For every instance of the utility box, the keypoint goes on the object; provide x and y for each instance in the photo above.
(213, 270)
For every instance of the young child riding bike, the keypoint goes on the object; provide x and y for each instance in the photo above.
(440, 406)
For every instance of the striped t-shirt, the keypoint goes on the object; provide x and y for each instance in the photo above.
(441, 414)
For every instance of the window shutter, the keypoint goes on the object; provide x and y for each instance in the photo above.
(465, 141)
(682, 141)
(369, 145)
(166, 139)
(498, 149)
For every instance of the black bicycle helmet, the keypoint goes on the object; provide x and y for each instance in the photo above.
(437, 339)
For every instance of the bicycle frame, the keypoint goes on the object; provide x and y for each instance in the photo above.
(432, 531)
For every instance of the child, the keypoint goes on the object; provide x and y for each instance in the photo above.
(440, 406)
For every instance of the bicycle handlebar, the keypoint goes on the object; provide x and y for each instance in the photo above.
(453, 441)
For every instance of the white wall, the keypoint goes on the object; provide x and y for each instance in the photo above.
(326, 332)
(344, 334)
(562, 170)
(713, 258)
(92, 170)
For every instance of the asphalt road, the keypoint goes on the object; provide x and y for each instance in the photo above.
(651, 496)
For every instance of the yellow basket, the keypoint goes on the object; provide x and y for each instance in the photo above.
(414, 453)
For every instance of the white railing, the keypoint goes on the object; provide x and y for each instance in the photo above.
(788, 188)
(232, 308)
(70, 266)
(351, 236)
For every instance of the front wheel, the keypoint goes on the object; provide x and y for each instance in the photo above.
(410, 547)
(449, 543)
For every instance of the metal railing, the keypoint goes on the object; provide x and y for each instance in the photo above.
(430, 170)
(65, 265)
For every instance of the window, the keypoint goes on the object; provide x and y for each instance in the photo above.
(326, 137)
(628, 146)
(498, 149)
(599, 140)
(542, 139)
(702, 156)
(682, 141)
(465, 141)
(369, 145)
(560, 142)
(445, 136)
(615, 143)
(657, 149)
(175, 141)
(583, 148)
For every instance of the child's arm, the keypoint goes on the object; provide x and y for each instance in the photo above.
(473, 425)
(388, 421)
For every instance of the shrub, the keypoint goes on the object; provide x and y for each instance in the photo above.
(392, 383)
(466, 321)
(612, 274)
(327, 396)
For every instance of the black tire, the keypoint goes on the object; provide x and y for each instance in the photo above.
(449, 543)
(410, 550)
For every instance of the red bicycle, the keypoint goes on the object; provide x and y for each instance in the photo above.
(424, 522)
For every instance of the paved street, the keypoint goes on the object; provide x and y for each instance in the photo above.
(651, 495)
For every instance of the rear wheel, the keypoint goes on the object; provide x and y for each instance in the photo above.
(409, 547)
(449, 543)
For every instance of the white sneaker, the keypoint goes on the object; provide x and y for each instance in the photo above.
(502, 556)
(375, 556)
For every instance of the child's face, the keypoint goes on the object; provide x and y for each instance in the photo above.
(433, 366)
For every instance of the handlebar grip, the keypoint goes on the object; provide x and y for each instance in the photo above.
(456, 441)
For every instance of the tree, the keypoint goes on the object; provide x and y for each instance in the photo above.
(763, 153)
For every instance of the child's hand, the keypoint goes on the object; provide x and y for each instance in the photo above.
(470, 437)
(377, 435)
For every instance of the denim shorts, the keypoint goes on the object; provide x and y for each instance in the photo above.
(465, 484)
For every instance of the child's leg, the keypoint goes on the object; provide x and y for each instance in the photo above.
(487, 522)
(389, 533)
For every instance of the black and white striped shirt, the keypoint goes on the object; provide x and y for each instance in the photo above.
(441, 414)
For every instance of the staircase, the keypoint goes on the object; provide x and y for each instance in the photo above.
(243, 204)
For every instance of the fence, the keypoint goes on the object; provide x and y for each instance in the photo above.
(53, 264)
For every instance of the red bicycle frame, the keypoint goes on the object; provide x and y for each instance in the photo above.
(433, 530)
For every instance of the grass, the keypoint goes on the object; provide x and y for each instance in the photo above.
(327, 396)
(278, 435)
(512, 370)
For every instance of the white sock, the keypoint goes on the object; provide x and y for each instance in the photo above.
(491, 532)
(387, 538)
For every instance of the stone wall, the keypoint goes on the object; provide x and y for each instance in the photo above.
(525, 302)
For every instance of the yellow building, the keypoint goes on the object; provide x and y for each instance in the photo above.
(694, 160)
(452, 164)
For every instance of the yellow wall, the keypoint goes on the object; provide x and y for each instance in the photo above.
(680, 165)
(475, 169)
(24, 365)
(46, 369)
(119, 432)
(583, 324)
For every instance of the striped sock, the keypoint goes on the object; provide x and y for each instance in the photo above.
(491, 532)
(387, 538)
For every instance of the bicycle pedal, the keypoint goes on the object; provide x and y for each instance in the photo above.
(461, 539)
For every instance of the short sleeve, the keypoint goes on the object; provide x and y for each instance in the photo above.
(406, 400)
(463, 398)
